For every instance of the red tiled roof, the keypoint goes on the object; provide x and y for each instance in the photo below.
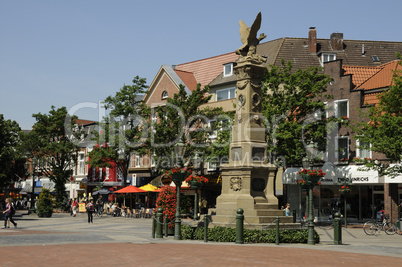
(84, 122)
(207, 69)
(371, 99)
(360, 73)
(369, 78)
(188, 79)
(382, 78)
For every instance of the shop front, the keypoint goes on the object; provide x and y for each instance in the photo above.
(366, 194)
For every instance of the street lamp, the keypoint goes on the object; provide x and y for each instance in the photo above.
(34, 162)
(197, 166)
(306, 164)
(179, 150)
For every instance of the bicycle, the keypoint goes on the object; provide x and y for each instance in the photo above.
(373, 226)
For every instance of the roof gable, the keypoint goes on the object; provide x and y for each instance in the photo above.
(166, 79)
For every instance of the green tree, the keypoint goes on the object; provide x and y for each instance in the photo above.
(9, 141)
(384, 129)
(289, 98)
(183, 120)
(124, 129)
(51, 141)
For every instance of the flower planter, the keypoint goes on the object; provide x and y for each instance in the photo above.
(195, 185)
(311, 179)
(178, 177)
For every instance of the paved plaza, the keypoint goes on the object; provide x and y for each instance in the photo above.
(70, 241)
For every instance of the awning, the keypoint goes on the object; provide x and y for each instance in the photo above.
(28, 189)
(393, 180)
(336, 174)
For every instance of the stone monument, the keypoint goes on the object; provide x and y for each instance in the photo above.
(248, 179)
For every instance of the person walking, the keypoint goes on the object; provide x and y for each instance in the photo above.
(90, 208)
(9, 212)
(99, 204)
(75, 207)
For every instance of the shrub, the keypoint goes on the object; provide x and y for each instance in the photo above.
(45, 204)
(223, 234)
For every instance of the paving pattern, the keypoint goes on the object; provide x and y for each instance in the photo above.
(70, 241)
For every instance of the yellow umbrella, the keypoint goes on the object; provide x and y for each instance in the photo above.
(148, 187)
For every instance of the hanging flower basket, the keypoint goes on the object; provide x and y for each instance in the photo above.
(196, 181)
(312, 177)
(303, 184)
(178, 174)
(344, 190)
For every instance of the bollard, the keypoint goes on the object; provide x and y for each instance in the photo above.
(294, 216)
(277, 231)
(166, 226)
(206, 228)
(239, 226)
(337, 229)
(153, 225)
(159, 216)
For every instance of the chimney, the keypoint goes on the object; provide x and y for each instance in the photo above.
(337, 41)
(312, 40)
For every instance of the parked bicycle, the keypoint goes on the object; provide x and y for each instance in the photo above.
(373, 226)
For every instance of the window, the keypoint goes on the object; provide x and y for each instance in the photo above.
(227, 69)
(101, 175)
(342, 148)
(165, 94)
(322, 113)
(137, 161)
(342, 108)
(328, 57)
(212, 166)
(81, 164)
(107, 173)
(217, 126)
(153, 116)
(363, 149)
(224, 94)
(375, 58)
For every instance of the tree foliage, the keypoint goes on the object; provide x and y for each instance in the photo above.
(123, 129)
(9, 140)
(183, 120)
(51, 143)
(290, 98)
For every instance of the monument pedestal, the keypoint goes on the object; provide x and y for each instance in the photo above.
(250, 188)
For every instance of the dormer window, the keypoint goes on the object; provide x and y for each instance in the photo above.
(327, 57)
(165, 95)
(227, 69)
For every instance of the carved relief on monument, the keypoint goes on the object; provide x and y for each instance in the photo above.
(236, 183)
(256, 100)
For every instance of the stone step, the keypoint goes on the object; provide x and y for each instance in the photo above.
(224, 219)
(265, 206)
(270, 212)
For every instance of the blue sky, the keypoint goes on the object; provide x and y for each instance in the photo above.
(70, 53)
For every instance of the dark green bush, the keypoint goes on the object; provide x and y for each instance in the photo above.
(223, 234)
(45, 204)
